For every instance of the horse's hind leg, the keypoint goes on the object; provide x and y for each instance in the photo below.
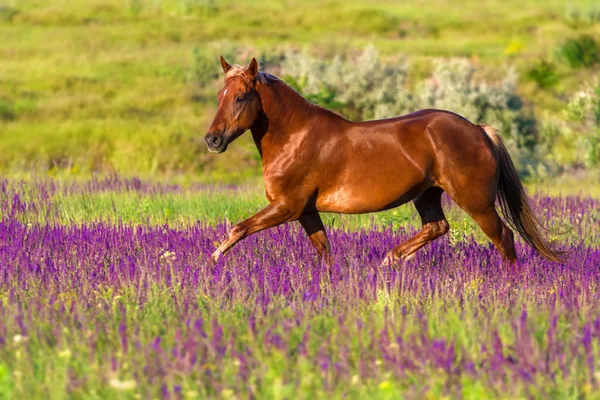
(429, 207)
(486, 216)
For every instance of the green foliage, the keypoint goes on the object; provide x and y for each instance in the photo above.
(7, 110)
(583, 51)
(364, 87)
(6, 382)
(453, 86)
(204, 69)
(200, 6)
(544, 74)
(136, 6)
(578, 17)
(584, 108)
(377, 21)
(7, 13)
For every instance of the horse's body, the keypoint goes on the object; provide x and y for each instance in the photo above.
(315, 160)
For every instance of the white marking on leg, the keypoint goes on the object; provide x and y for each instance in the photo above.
(217, 255)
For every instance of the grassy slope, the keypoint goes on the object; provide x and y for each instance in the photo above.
(96, 85)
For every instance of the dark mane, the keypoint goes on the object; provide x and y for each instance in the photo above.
(266, 79)
(262, 77)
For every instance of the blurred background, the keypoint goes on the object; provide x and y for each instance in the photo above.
(129, 86)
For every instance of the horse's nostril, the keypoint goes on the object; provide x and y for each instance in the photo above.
(214, 140)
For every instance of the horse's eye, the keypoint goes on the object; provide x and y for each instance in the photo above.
(239, 99)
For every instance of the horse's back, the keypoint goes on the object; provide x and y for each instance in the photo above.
(378, 165)
(385, 163)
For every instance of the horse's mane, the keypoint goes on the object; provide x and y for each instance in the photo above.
(268, 79)
(262, 77)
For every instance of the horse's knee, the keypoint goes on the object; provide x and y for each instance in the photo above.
(320, 242)
(443, 227)
(237, 231)
(323, 247)
(436, 229)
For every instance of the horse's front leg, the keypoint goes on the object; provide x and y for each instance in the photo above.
(272, 215)
(313, 225)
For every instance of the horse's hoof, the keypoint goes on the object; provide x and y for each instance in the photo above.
(216, 256)
(390, 260)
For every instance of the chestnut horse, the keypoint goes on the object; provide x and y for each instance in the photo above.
(317, 161)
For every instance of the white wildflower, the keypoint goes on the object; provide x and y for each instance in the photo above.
(122, 385)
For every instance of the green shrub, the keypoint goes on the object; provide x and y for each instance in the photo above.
(205, 67)
(136, 6)
(361, 87)
(453, 86)
(7, 110)
(543, 73)
(583, 51)
(7, 13)
(577, 17)
(584, 108)
(200, 6)
(364, 87)
(375, 21)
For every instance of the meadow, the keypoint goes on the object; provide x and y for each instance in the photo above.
(110, 205)
(108, 291)
(129, 86)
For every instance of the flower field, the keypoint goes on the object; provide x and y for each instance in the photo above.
(131, 307)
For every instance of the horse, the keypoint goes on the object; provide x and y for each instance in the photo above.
(315, 160)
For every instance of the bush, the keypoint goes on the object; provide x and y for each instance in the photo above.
(361, 87)
(583, 51)
(7, 13)
(204, 7)
(576, 17)
(7, 111)
(364, 87)
(584, 108)
(205, 67)
(453, 87)
(543, 73)
(136, 6)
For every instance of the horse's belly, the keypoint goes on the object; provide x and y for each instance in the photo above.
(370, 195)
(380, 170)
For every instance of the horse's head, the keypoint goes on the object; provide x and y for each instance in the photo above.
(239, 106)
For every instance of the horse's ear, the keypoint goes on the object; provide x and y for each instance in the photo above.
(252, 69)
(226, 67)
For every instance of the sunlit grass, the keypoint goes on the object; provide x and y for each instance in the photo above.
(189, 203)
(103, 85)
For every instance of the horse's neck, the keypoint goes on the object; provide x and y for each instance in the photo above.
(284, 113)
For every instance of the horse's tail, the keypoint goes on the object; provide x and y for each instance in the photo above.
(514, 202)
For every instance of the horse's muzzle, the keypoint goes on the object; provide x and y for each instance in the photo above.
(215, 143)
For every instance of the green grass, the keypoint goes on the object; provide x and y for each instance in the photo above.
(103, 85)
(210, 205)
